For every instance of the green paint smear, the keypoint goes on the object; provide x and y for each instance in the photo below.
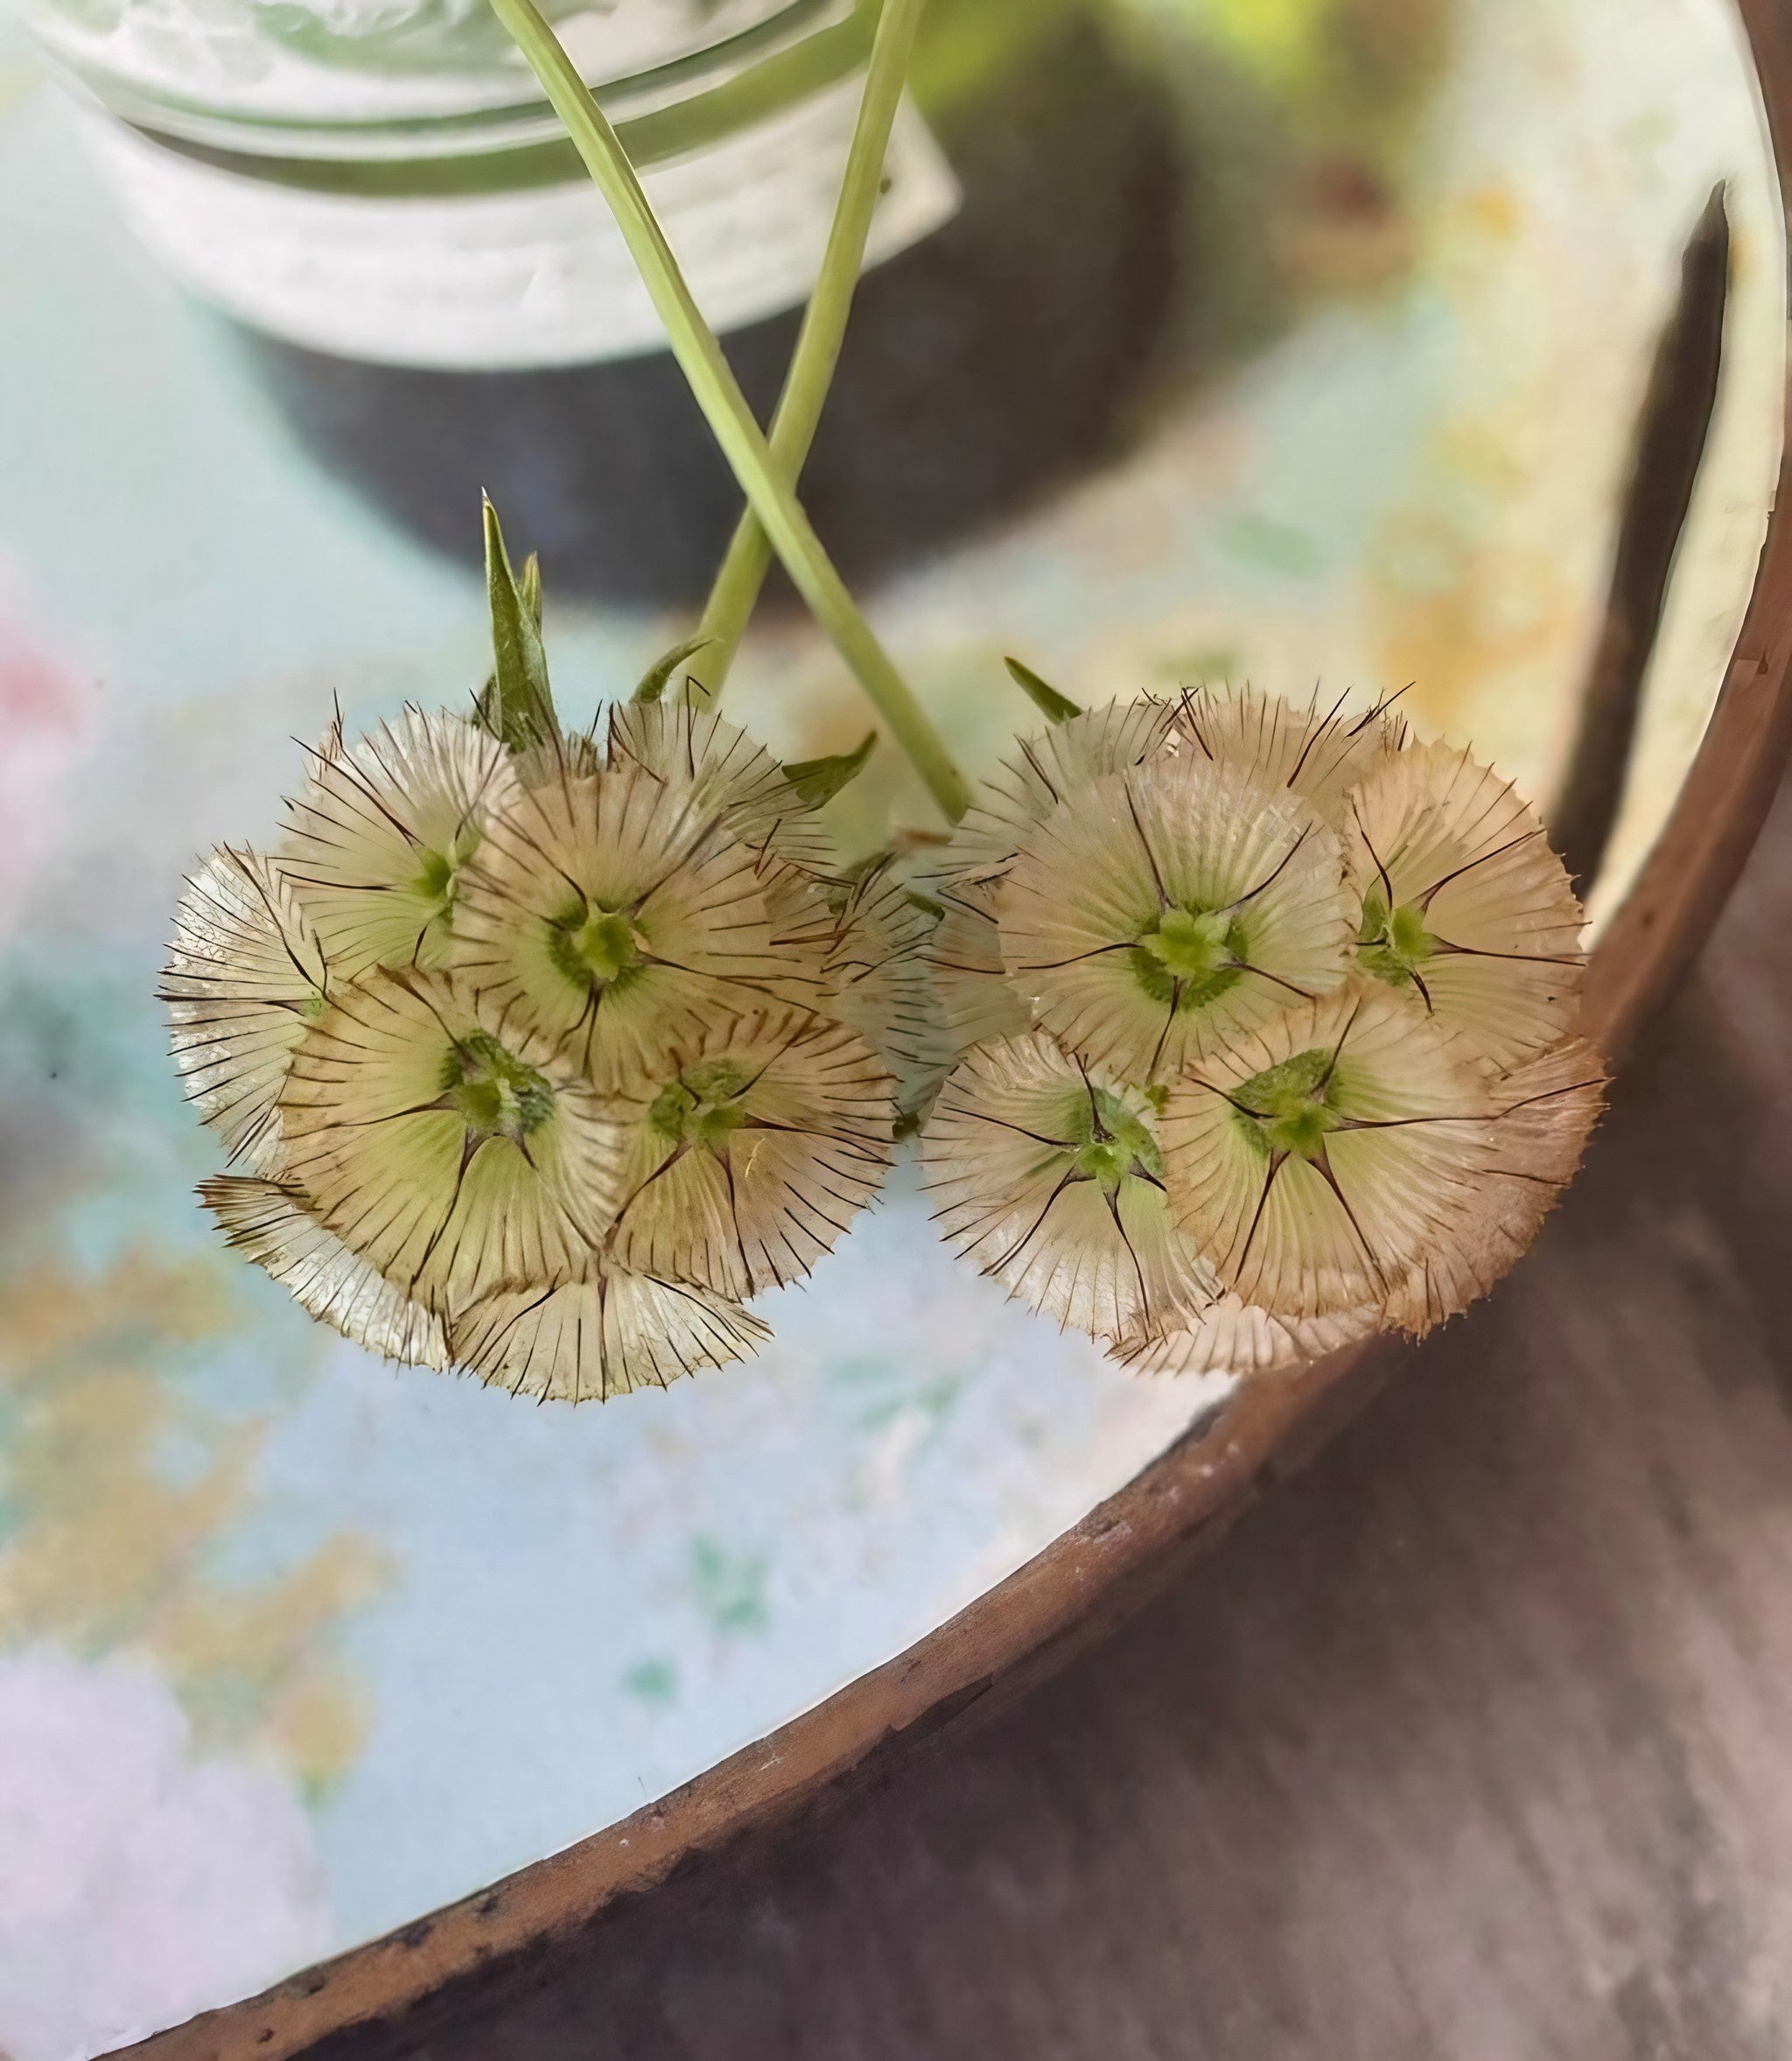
(1272, 546)
(730, 1587)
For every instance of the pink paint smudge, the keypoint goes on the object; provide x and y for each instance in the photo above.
(46, 707)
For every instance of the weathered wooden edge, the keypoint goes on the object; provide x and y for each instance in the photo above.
(1082, 1583)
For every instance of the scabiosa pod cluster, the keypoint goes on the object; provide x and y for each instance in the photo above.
(1266, 1017)
(538, 1056)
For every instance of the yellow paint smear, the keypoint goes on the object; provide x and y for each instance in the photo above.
(107, 1539)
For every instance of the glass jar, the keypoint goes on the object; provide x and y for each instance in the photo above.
(376, 194)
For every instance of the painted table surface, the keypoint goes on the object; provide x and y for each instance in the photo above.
(293, 1647)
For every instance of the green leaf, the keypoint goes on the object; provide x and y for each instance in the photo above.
(653, 680)
(516, 704)
(1055, 707)
(817, 781)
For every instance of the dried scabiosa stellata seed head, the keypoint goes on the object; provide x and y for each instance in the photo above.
(377, 837)
(1463, 903)
(246, 974)
(1319, 751)
(1354, 1156)
(1164, 911)
(1319, 1157)
(754, 1147)
(965, 956)
(1331, 974)
(454, 1149)
(616, 912)
(539, 1055)
(276, 1224)
(1048, 1174)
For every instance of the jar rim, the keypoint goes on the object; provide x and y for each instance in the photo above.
(504, 111)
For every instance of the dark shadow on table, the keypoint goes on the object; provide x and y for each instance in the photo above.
(1472, 1745)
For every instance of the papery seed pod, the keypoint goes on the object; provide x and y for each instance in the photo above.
(874, 979)
(1462, 903)
(1321, 1157)
(1157, 914)
(446, 1146)
(1054, 766)
(754, 1146)
(1315, 750)
(746, 786)
(273, 1224)
(606, 1336)
(245, 976)
(566, 755)
(977, 1003)
(1546, 1109)
(1230, 1337)
(376, 839)
(1048, 1175)
(614, 913)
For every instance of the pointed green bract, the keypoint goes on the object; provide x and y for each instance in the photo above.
(1053, 706)
(516, 704)
(658, 675)
(817, 781)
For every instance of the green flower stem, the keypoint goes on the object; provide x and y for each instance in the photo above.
(773, 499)
(749, 559)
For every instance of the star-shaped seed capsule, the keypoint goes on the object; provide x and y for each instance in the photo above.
(246, 976)
(446, 1146)
(616, 913)
(1462, 904)
(1046, 1173)
(1351, 1150)
(756, 1143)
(377, 836)
(1159, 914)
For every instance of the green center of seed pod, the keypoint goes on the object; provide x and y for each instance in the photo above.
(1189, 956)
(498, 1095)
(1392, 943)
(1288, 1107)
(699, 1107)
(597, 945)
(438, 872)
(1110, 1143)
